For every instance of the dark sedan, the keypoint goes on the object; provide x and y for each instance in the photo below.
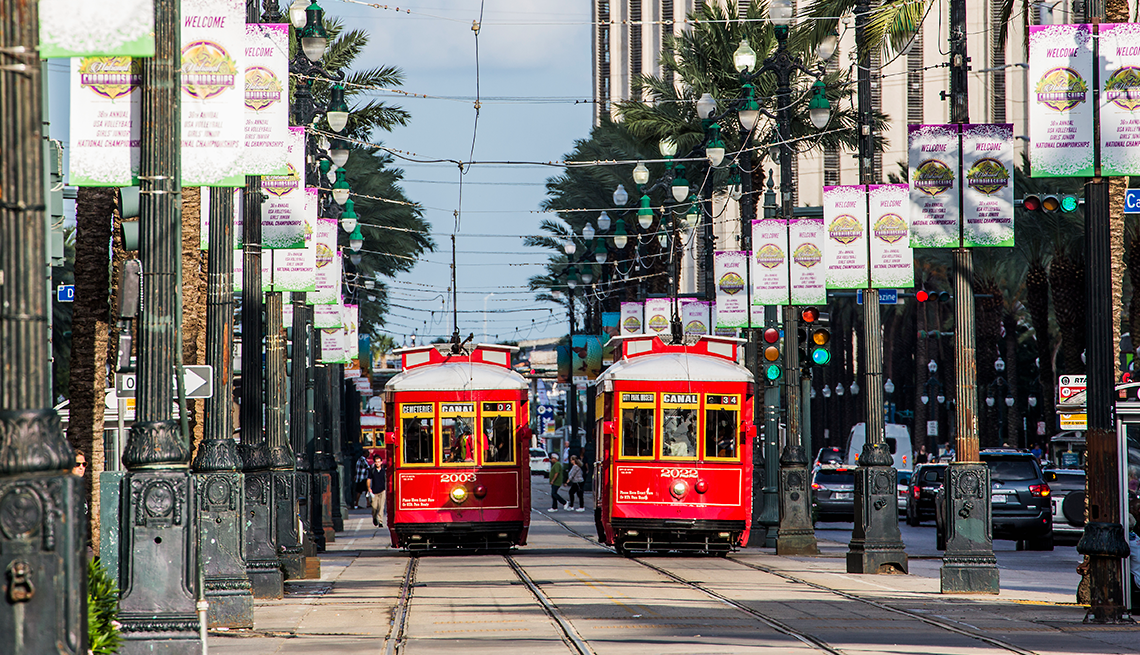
(924, 484)
(833, 493)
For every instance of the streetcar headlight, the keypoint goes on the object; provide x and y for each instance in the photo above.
(679, 488)
(459, 494)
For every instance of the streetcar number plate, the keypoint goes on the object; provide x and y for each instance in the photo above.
(844, 495)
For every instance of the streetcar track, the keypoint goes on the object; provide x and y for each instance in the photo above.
(573, 639)
(775, 624)
(395, 640)
(944, 624)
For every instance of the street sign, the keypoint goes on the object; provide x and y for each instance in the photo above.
(1132, 201)
(1074, 421)
(886, 296)
(1070, 385)
(65, 293)
(932, 428)
(198, 381)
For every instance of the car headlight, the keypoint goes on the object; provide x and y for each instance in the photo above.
(679, 488)
(459, 494)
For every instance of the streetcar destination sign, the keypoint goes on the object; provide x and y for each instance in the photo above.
(679, 398)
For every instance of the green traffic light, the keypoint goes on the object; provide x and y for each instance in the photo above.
(1069, 203)
(773, 372)
(821, 356)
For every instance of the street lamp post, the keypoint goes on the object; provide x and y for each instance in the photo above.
(39, 495)
(796, 534)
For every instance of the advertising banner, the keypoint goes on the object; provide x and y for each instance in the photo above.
(79, 28)
(286, 206)
(239, 271)
(350, 331)
(332, 346)
(1060, 107)
(204, 221)
(892, 260)
(632, 318)
(730, 269)
(213, 92)
(105, 117)
(266, 98)
(769, 262)
(1119, 63)
(292, 270)
(845, 248)
(695, 316)
(658, 315)
(933, 172)
(987, 197)
(806, 237)
(328, 316)
(611, 324)
(586, 354)
(328, 262)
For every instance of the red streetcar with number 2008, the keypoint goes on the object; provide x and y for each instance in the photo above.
(675, 436)
(458, 448)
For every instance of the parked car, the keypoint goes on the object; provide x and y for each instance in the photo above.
(539, 462)
(833, 493)
(924, 485)
(1022, 510)
(1068, 499)
(904, 491)
(829, 456)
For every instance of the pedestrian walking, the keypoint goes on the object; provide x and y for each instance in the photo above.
(921, 457)
(576, 478)
(378, 489)
(360, 480)
(557, 479)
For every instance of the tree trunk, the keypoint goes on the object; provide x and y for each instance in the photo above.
(1067, 281)
(193, 299)
(95, 209)
(1037, 303)
(1117, 187)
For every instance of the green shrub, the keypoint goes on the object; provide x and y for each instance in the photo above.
(102, 609)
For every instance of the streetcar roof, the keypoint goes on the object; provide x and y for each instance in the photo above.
(457, 376)
(698, 362)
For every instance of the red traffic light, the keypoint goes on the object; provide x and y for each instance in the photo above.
(771, 335)
(810, 315)
(922, 296)
(1031, 203)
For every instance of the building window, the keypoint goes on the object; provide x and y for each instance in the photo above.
(914, 113)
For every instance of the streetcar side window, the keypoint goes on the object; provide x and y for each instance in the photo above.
(679, 432)
(457, 434)
(637, 432)
(418, 441)
(720, 433)
(499, 432)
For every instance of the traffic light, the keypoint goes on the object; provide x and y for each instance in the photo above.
(1050, 203)
(815, 340)
(771, 353)
(922, 295)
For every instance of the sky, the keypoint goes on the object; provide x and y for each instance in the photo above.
(530, 52)
(534, 80)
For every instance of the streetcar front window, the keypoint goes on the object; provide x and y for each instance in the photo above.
(637, 432)
(499, 431)
(458, 435)
(679, 432)
(720, 433)
(418, 440)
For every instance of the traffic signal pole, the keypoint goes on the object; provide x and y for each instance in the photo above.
(876, 542)
(968, 565)
(797, 534)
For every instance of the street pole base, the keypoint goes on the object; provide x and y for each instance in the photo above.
(796, 535)
(796, 542)
(969, 575)
(168, 635)
(876, 542)
(312, 568)
(262, 564)
(758, 537)
(231, 603)
(266, 579)
(968, 566)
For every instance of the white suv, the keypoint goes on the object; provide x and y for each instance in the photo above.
(539, 462)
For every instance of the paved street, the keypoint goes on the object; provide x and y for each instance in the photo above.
(586, 599)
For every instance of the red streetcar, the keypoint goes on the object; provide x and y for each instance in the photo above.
(675, 427)
(459, 473)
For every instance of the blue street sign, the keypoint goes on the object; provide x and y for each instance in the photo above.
(1132, 201)
(65, 293)
(886, 296)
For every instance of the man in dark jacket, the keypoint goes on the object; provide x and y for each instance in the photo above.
(378, 487)
(557, 479)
